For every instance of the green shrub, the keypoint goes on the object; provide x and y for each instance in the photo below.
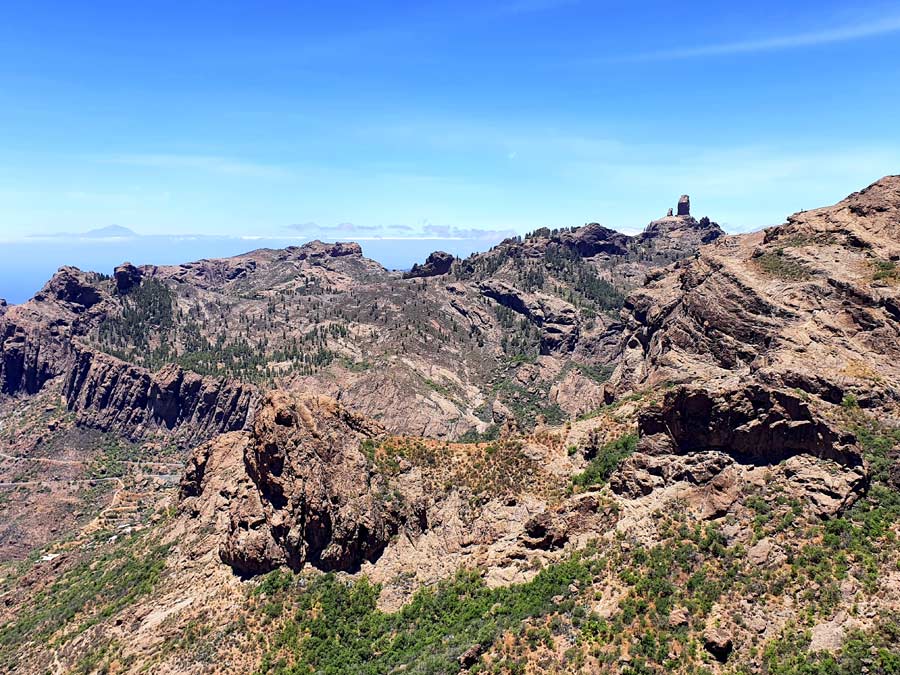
(89, 592)
(606, 461)
(778, 264)
(338, 629)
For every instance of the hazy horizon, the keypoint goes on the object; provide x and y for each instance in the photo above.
(27, 266)
(28, 262)
(457, 122)
(461, 120)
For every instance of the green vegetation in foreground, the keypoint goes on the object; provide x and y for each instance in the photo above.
(873, 652)
(886, 270)
(607, 459)
(90, 592)
(331, 626)
(336, 627)
(693, 568)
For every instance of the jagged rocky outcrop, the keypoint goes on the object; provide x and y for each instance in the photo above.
(436, 264)
(311, 483)
(777, 326)
(36, 338)
(127, 276)
(755, 425)
(810, 304)
(678, 236)
(556, 318)
(70, 289)
(594, 239)
(266, 265)
(309, 494)
(671, 237)
(712, 439)
(109, 394)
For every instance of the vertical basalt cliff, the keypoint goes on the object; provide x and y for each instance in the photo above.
(109, 394)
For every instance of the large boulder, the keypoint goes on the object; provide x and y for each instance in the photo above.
(436, 264)
(719, 643)
(127, 276)
(71, 287)
(308, 493)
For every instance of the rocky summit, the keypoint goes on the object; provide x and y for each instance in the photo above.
(578, 451)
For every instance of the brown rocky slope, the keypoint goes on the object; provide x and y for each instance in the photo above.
(728, 507)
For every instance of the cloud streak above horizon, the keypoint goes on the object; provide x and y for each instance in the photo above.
(298, 233)
(425, 232)
(206, 163)
(847, 33)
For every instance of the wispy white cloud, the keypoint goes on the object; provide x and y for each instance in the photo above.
(845, 33)
(205, 163)
(425, 231)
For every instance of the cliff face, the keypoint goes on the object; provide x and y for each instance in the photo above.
(111, 395)
(46, 338)
(27, 358)
(35, 338)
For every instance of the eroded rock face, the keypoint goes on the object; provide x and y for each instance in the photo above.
(684, 205)
(109, 394)
(643, 472)
(320, 249)
(28, 358)
(36, 337)
(70, 286)
(754, 425)
(679, 236)
(127, 276)
(436, 264)
(557, 319)
(594, 239)
(710, 440)
(310, 495)
(800, 305)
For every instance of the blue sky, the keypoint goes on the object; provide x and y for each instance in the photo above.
(445, 121)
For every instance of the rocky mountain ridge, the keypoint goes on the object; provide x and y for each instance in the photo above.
(722, 499)
(811, 304)
(282, 318)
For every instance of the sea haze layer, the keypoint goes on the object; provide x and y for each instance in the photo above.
(25, 266)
